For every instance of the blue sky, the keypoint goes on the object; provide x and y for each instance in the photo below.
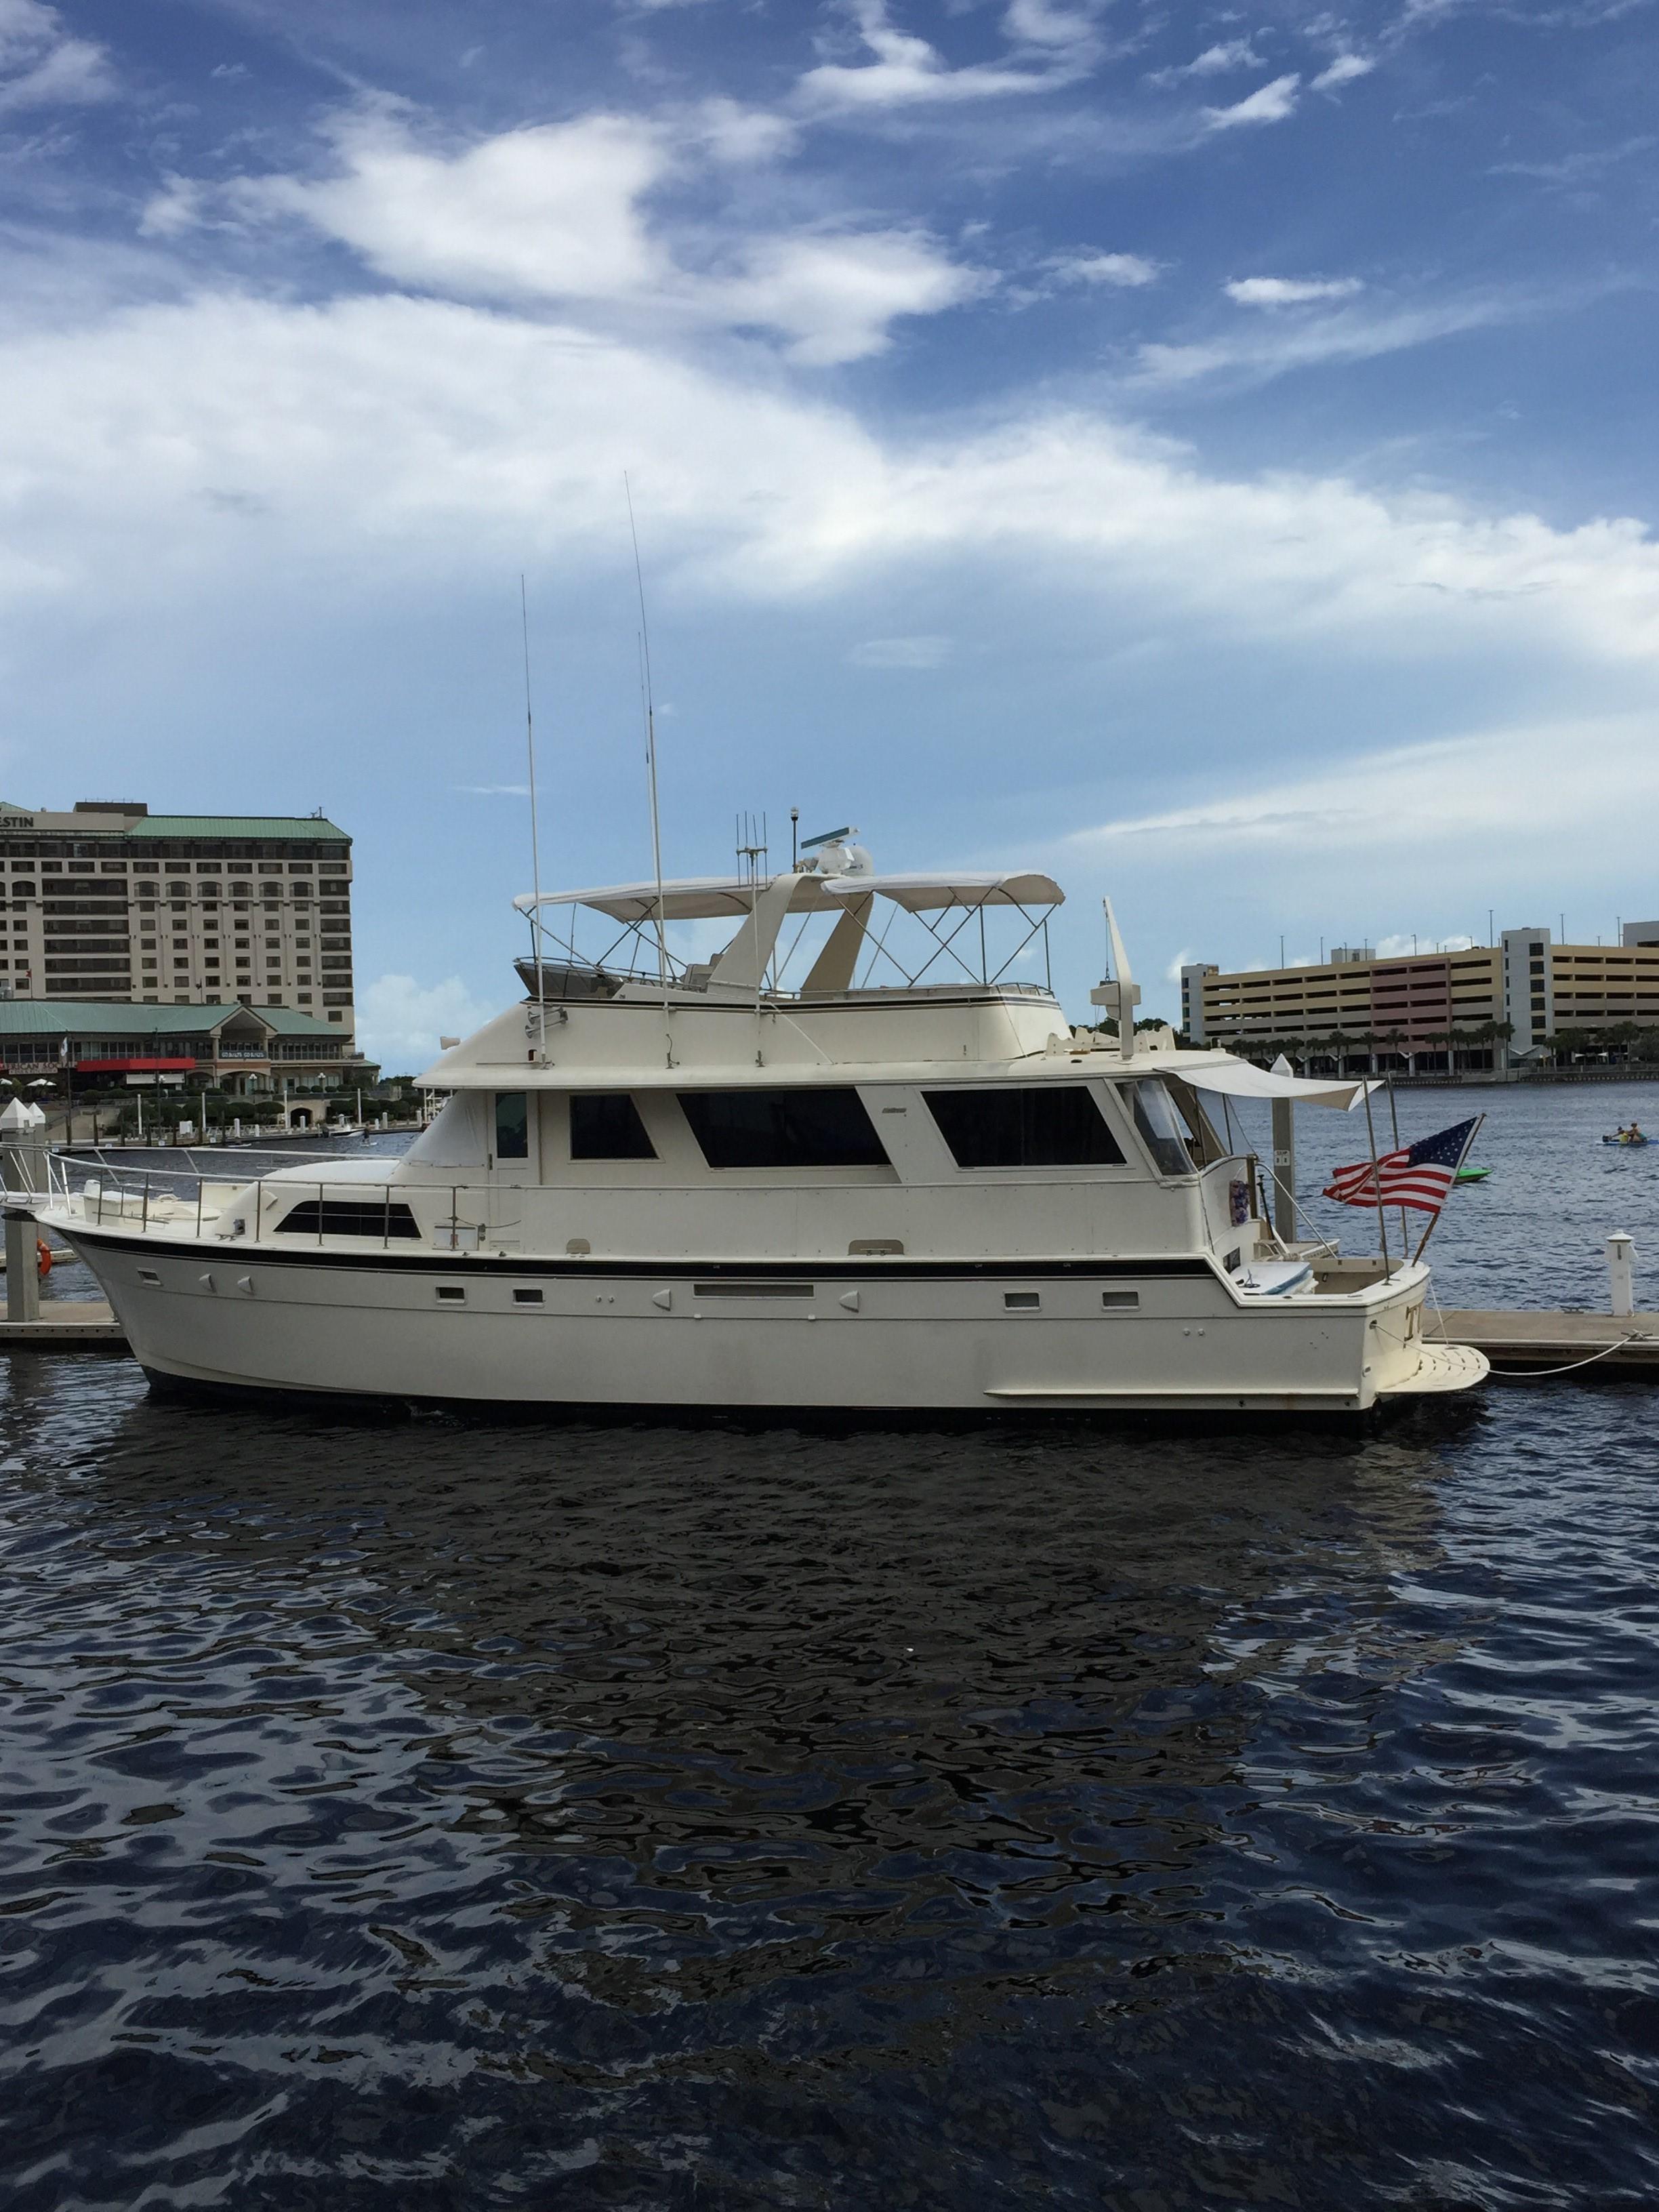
(1207, 452)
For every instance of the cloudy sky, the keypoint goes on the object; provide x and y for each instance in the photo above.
(1206, 452)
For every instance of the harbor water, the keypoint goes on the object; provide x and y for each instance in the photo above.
(433, 1813)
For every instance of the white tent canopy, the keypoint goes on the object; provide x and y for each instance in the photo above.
(702, 898)
(1238, 1078)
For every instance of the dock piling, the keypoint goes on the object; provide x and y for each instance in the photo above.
(22, 1266)
(1621, 1272)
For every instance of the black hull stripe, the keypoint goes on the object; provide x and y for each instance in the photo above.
(862, 1268)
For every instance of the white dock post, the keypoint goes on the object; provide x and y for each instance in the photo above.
(1621, 1256)
(22, 1266)
(1285, 1168)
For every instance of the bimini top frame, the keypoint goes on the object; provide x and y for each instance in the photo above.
(760, 905)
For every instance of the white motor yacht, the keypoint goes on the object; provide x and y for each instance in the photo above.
(665, 1184)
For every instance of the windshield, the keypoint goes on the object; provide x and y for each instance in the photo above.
(1162, 1130)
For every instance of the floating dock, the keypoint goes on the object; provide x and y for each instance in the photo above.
(1590, 1344)
(65, 1325)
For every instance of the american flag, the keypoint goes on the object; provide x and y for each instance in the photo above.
(1417, 1175)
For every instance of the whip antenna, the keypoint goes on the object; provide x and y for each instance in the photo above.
(650, 741)
(535, 834)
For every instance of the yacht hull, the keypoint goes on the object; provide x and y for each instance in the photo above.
(942, 1335)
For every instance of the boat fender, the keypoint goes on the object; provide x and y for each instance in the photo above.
(43, 1255)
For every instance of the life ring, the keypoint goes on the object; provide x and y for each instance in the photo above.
(43, 1256)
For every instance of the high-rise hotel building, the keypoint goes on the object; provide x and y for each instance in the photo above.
(112, 902)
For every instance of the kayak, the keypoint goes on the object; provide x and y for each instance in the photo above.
(1472, 1174)
(1632, 1142)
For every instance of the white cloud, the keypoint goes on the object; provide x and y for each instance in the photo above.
(1343, 70)
(835, 296)
(1269, 103)
(557, 213)
(1051, 46)
(1469, 794)
(400, 1020)
(164, 457)
(549, 211)
(1282, 344)
(1214, 61)
(1290, 291)
(735, 133)
(42, 65)
(1128, 271)
(1401, 945)
(901, 653)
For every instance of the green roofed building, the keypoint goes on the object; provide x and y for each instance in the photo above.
(241, 1049)
(110, 901)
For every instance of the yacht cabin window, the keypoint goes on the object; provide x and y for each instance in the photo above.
(818, 1128)
(1163, 1129)
(605, 1125)
(1046, 1126)
(349, 1216)
(512, 1125)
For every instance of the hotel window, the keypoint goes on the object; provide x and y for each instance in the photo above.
(1056, 1126)
(816, 1128)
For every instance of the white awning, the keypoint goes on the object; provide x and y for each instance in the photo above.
(685, 898)
(1238, 1078)
(702, 898)
(919, 893)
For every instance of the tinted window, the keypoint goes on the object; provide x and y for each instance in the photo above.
(1162, 1130)
(606, 1126)
(1058, 1126)
(783, 1128)
(512, 1125)
(350, 1217)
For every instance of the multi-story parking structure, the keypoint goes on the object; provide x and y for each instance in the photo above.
(110, 901)
(1472, 1008)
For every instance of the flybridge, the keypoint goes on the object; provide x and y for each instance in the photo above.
(837, 880)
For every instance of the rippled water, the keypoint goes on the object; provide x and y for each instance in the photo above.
(436, 1815)
(444, 1815)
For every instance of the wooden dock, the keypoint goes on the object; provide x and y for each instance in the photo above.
(65, 1325)
(1626, 1345)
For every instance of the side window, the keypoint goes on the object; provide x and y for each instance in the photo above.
(783, 1128)
(1053, 1126)
(512, 1125)
(605, 1125)
(1162, 1131)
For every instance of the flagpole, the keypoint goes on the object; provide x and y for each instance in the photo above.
(1393, 1117)
(1450, 1187)
(1376, 1180)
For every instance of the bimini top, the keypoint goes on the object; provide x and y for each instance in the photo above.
(701, 898)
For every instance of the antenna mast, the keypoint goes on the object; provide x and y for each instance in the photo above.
(650, 744)
(535, 833)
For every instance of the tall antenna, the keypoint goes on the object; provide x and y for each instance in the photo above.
(650, 741)
(535, 833)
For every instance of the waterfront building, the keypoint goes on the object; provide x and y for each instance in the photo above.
(242, 1050)
(110, 901)
(1472, 1008)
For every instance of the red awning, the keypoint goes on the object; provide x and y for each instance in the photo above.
(132, 1066)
